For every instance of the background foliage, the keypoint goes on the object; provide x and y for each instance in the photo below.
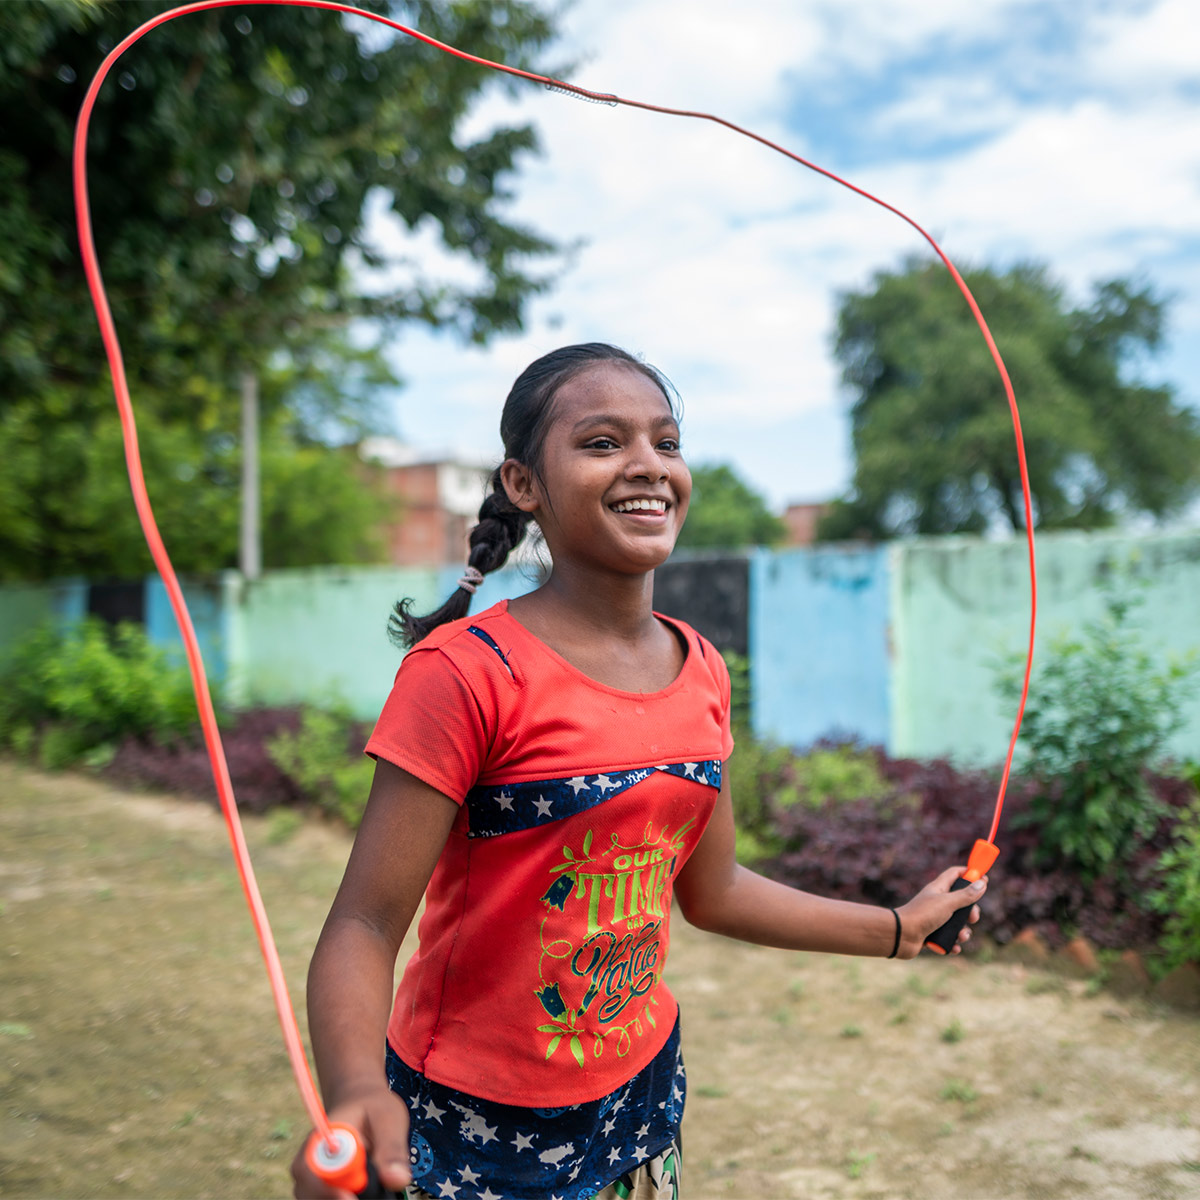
(1100, 712)
(235, 159)
(725, 512)
(77, 694)
(931, 430)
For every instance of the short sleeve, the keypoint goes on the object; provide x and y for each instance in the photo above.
(720, 670)
(433, 725)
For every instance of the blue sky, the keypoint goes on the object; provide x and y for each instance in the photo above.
(1063, 132)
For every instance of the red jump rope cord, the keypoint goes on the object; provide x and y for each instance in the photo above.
(162, 561)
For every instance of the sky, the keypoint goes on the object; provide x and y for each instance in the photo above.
(1061, 131)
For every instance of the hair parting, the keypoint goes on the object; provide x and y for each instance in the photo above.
(523, 425)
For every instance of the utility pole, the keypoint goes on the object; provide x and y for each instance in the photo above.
(250, 541)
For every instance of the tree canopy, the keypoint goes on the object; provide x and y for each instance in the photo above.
(235, 159)
(725, 512)
(931, 431)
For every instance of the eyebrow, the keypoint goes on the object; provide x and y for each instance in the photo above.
(621, 423)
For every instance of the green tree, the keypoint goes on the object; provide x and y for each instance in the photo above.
(235, 159)
(931, 430)
(725, 512)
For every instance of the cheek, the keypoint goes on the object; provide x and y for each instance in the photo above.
(683, 488)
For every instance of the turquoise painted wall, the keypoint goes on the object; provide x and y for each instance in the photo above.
(26, 606)
(959, 605)
(897, 645)
(320, 636)
(818, 644)
(208, 604)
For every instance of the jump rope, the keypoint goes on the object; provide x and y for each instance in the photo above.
(335, 1152)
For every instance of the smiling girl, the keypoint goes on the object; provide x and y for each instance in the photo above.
(550, 776)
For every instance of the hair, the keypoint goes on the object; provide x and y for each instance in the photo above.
(523, 425)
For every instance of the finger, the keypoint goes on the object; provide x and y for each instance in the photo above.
(390, 1144)
(945, 880)
(308, 1187)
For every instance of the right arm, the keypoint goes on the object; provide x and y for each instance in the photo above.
(403, 831)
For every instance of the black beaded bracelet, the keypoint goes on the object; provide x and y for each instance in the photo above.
(896, 943)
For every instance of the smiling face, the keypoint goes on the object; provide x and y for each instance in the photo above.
(612, 489)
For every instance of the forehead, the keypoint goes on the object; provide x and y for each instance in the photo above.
(611, 389)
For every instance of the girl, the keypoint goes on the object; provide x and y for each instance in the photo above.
(549, 775)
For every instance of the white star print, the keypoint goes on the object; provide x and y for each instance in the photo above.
(488, 1194)
(543, 806)
(468, 1176)
(605, 784)
(689, 769)
(523, 1142)
(677, 1093)
(609, 1126)
(619, 1104)
(505, 801)
(449, 1189)
(433, 1112)
(614, 1154)
(644, 1131)
(579, 783)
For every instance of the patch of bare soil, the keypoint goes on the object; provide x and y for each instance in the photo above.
(140, 1055)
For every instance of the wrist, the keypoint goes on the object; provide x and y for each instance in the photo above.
(352, 1089)
(895, 932)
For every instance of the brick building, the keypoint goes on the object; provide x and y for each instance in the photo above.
(439, 499)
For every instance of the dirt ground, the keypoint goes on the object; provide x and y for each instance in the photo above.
(140, 1056)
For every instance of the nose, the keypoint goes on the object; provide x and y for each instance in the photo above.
(645, 462)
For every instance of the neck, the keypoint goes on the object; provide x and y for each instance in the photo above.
(617, 605)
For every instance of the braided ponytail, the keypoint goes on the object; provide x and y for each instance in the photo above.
(501, 526)
(522, 428)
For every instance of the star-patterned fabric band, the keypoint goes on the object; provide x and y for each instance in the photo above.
(511, 807)
(466, 1148)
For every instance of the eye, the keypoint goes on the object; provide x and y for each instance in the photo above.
(600, 443)
(670, 445)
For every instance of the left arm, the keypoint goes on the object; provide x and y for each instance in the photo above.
(717, 894)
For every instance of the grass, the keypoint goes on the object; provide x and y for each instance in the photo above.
(958, 1090)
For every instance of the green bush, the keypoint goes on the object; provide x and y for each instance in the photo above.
(66, 695)
(739, 687)
(1179, 898)
(836, 774)
(766, 780)
(1100, 713)
(324, 759)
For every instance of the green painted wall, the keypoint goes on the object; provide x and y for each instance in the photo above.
(320, 636)
(959, 605)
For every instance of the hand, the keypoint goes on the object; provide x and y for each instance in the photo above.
(932, 907)
(381, 1119)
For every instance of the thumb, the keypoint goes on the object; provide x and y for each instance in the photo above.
(388, 1129)
(969, 894)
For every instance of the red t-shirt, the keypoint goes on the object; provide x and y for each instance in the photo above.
(538, 978)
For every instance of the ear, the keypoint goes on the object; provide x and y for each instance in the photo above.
(520, 485)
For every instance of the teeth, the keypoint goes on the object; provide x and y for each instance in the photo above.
(641, 505)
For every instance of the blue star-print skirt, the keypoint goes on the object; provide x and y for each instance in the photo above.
(465, 1148)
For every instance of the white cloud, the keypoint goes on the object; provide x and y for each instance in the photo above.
(720, 260)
